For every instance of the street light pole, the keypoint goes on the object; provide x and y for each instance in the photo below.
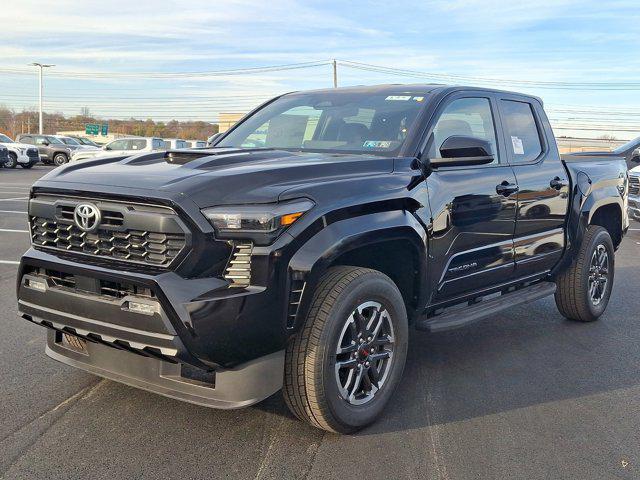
(41, 66)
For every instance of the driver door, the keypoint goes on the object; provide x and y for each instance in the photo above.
(473, 208)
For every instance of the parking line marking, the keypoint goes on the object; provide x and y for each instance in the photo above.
(10, 230)
(9, 262)
(13, 211)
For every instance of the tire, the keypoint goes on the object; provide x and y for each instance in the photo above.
(311, 388)
(60, 159)
(26, 166)
(12, 161)
(573, 295)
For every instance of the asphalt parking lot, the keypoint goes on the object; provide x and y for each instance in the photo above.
(526, 395)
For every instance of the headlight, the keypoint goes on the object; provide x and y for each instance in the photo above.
(260, 222)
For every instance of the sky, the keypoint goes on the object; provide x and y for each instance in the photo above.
(132, 58)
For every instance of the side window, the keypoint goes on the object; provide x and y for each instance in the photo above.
(136, 144)
(40, 141)
(523, 137)
(469, 117)
(28, 140)
(166, 144)
(117, 145)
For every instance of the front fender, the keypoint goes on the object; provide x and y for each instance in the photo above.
(311, 261)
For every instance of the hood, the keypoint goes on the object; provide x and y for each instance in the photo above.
(18, 145)
(217, 176)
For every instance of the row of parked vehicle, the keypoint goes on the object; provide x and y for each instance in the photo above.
(130, 146)
(29, 149)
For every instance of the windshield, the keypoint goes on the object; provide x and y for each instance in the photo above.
(635, 143)
(5, 139)
(54, 140)
(70, 141)
(337, 122)
(84, 141)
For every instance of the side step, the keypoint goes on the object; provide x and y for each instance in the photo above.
(478, 311)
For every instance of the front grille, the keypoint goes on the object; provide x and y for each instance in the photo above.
(33, 154)
(634, 185)
(238, 271)
(126, 233)
(4, 155)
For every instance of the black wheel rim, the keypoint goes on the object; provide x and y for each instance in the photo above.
(364, 353)
(598, 274)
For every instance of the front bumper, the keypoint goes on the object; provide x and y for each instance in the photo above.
(225, 389)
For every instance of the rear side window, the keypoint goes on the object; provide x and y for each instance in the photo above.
(523, 137)
(136, 144)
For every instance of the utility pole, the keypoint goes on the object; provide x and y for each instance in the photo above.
(41, 67)
(335, 73)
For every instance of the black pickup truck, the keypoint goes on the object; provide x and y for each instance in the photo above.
(297, 251)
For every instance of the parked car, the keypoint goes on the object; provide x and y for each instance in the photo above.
(19, 153)
(219, 276)
(196, 144)
(72, 142)
(175, 143)
(122, 146)
(630, 151)
(51, 149)
(634, 193)
(85, 141)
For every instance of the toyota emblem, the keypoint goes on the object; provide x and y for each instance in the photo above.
(87, 217)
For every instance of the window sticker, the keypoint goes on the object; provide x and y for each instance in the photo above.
(518, 146)
(398, 98)
(377, 144)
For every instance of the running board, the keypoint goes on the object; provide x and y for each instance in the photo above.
(478, 311)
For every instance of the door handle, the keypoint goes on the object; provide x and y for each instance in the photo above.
(558, 183)
(505, 188)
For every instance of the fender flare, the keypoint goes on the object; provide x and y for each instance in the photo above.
(581, 215)
(315, 256)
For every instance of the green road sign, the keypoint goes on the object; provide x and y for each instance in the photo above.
(96, 129)
(92, 129)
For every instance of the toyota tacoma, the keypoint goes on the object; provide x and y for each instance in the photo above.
(298, 250)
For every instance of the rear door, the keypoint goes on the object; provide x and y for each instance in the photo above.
(543, 196)
(472, 207)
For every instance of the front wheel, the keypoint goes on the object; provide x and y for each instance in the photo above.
(584, 288)
(12, 161)
(26, 165)
(60, 159)
(344, 364)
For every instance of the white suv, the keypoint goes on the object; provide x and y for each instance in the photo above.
(121, 147)
(19, 153)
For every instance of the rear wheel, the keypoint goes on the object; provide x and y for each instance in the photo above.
(346, 361)
(60, 159)
(585, 287)
(12, 161)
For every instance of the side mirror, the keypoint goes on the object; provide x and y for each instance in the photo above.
(45, 143)
(635, 156)
(213, 138)
(459, 150)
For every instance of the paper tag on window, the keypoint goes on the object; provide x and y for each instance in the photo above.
(518, 147)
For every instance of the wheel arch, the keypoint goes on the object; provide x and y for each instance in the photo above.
(377, 241)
